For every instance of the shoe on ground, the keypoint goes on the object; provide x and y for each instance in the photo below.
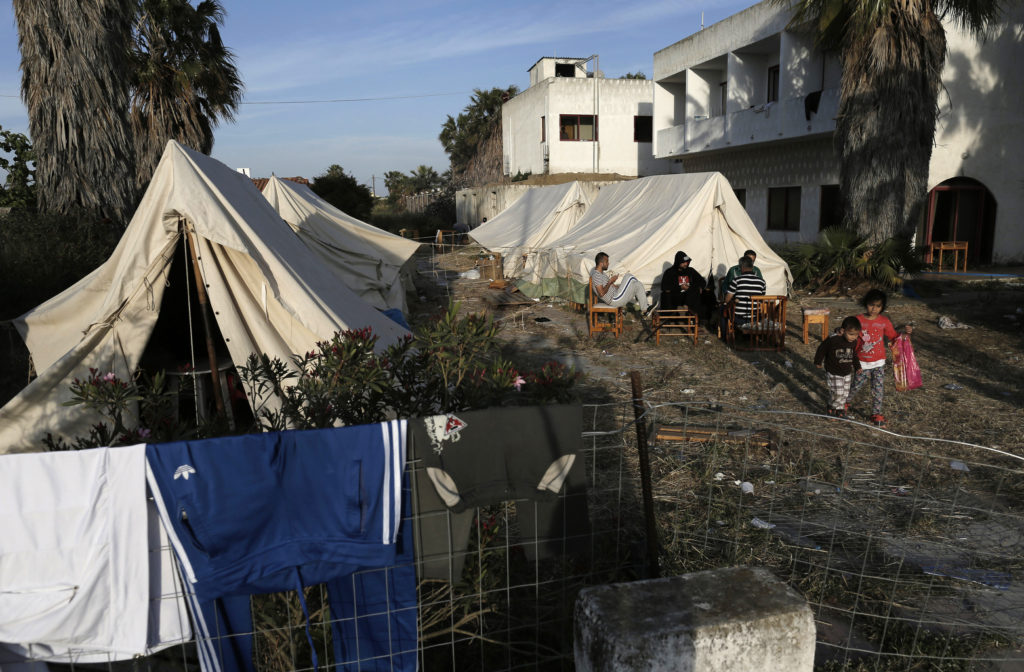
(841, 413)
(650, 309)
(878, 420)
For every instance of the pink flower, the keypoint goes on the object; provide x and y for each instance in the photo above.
(143, 433)
(110, 377)
(518, 383)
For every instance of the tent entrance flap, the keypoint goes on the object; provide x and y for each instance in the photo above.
(178, 347)
(204, 310)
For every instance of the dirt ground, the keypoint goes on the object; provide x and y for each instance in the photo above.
(890, 509)
(973, 377)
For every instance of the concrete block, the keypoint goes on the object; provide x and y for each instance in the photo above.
(740, 618)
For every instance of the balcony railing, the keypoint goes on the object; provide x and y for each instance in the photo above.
(785, 119)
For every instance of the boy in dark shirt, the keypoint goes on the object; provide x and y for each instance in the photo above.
(839, 356)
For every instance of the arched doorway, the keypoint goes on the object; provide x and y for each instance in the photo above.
(962, 208)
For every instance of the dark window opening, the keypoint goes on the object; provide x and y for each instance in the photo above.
(830, 211)
(543, 129)
(577, 127)
(565, 69)
(643, 129)
(773, 84)
(741, 196)
(784, 209)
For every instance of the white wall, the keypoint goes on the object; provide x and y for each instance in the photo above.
(618, 102)
(979, 134)
(522, 149)
(981, 115)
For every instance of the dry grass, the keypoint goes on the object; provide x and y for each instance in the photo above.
(859, 514)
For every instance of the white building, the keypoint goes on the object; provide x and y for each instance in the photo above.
(570, 121)
(757, 102)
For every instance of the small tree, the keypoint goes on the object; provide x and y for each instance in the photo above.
(343, 192)
(19, 187)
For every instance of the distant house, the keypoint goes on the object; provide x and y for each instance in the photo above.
(757, 102)
(573, 120)
(261, 182)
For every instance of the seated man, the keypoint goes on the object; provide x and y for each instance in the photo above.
(630, 290)
(742, 287)
(681, 286)
(735, 271)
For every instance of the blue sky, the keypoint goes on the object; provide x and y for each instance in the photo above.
(433, 51)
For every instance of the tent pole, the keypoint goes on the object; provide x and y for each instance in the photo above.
(210, 350)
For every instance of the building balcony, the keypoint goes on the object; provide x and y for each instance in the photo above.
(783, 120)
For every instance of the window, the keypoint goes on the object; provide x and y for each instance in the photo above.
(741, 196)
(643, 129)
(577, 127)
(543, 129)
(830, 211)
(718, 105)
(784, 209)
(565, 69)
(773, 84)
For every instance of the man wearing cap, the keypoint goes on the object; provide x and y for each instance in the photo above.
(681, 285)
(630, 290)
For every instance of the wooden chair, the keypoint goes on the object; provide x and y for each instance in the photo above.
(767, 327)
(597, 314)
(674, 322)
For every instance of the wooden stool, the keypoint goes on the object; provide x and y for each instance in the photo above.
(954, 246)
(679, 322)
(816, 316)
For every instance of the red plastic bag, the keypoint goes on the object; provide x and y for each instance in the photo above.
(905, 368)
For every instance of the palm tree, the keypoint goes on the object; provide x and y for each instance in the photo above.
(462, 137)
(892, 54)
(75, 84)
(185, 81)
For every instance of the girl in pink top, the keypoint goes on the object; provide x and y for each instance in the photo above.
(875, 329)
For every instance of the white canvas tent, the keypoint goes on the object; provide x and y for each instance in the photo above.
(641, 223)
(373, 263)
(268, 293)
(536, 219)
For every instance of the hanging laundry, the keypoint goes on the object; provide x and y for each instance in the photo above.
(270, 512)
(477, 458)
(84, 571)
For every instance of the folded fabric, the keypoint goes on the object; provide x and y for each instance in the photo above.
(82, 577)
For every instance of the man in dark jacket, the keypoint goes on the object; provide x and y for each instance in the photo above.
(681, 286)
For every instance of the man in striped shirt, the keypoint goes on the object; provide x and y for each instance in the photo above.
(630, 290)
(742, 287)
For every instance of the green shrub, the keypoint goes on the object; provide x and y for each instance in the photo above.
(842, 258)
(451, 364)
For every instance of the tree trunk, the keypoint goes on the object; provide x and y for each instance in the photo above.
(75, 84)
(886, 124)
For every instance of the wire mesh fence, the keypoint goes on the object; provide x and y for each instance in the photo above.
(908, 550)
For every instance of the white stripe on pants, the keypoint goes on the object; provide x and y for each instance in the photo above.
(630, 290)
